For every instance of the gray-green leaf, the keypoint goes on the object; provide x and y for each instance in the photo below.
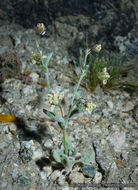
(88, 157)
(69, 145)
(60, 157)
(54, 116)
(48, 59)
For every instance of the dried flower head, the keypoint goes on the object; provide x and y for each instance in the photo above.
(36, 58)
(41, 29)
(89, 106)
(104, 76)
(97, 48)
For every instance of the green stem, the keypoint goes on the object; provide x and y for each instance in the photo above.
(47, 79)
(64, 141)
(47, 72)
(75, 91)
(72, 103)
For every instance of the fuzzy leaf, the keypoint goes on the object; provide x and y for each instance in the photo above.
(44, 68)
(60, 157)
(54, 116)
(80, 107)
(68, 145)
(62, 125)
(74, 153)
(88, 157)
(48, 59)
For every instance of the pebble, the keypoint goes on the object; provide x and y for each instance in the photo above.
(27, 91)
(55, 175)
(37, 154)
(48, 170)
(110, 104)
(97, 178)
(117, 139)
(48, 144)
(61, 180)
(105, 113)
(5, 141)
(43, 175)
(76, 177)
(35, 77)
(28, 144)
(96, 130)
(14, 175)
(128, 106)
(66, 188)
(12, 127)
(24, 181)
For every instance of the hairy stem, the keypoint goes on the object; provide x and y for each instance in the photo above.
(75, 92)
(47, 72)
(64, 141)
(47, 79)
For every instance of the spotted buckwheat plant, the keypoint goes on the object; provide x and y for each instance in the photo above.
(66, 156)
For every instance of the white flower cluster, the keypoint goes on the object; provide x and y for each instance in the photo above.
(36, 59)
(97, 48)
(104, 76)
(89, 106)
(55, 98)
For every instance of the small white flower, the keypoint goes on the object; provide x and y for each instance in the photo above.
(104, 69)
(89, 106)
(97, 48)
(33, 62)
(55, 98)
(104, 82)
(104, 76)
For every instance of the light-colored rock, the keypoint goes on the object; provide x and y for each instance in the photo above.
(43, 175)
(105, 112)
(78, 156)
(37, 154)
(66, 188)
(55, 175)
(76, 177)
(96, 129)
(128, 106)
(12, 127)
(48, 170)
(110, 104)
(98, 177)
(48, 144)
(35, 77)
(117, 139)
(28, 144)
(61, 180)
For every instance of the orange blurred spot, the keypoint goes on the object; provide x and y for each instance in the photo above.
(83, 121)
(120, 162)
(13, 133)
(7, 118)
(43, 84)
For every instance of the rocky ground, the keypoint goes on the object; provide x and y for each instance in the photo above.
(110, 131)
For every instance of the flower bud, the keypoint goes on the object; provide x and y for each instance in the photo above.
(41, 29)
(97, 48)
